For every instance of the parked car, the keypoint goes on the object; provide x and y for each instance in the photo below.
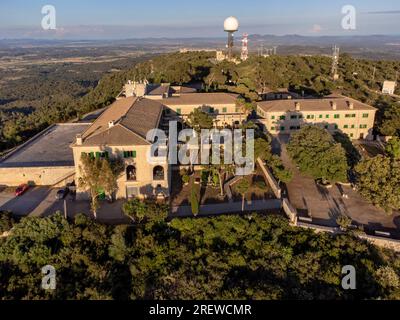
(62, 193)
(21, 189)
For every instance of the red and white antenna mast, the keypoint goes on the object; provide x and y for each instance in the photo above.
(245, 48)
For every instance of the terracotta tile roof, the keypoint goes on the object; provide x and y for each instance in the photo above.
(201, 99)
(324, 104)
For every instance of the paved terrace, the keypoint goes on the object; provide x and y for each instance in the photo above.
(48, 149)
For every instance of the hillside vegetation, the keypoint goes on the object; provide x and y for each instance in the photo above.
(225, 257)
(302, 74)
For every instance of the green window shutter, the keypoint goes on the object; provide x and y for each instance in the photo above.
(320, 116)
(273, 117)
(92, 155)
(224, 110)
(336, 116)
(327, 116)
(134, 154)
(346, 126)
(365, 115)
(352, 126)
(178, 111)
(282, 117)
(336, 126)
(272, 128)
(326, 126)
(106, 154)
(282, 128)
(98, 155)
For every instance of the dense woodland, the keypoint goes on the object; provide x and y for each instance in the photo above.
(225, 257)
(27, 106)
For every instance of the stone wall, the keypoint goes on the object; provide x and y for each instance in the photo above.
(271, 179)
(41, 176)
(290, 211)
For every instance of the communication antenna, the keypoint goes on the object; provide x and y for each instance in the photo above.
(231, 25)
(245, 48)
(275, 50)
(335, 63)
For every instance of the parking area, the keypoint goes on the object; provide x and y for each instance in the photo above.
(26, 203)
(325, 205)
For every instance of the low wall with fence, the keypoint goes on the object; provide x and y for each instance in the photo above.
(271, 179)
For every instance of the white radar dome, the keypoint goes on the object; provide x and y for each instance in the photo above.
(231, 24)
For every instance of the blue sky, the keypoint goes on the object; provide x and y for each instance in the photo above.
(178, 18)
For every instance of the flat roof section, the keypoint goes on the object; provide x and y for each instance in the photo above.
(50, 148)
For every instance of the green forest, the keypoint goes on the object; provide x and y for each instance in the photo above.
(62, 99)
(226, 257)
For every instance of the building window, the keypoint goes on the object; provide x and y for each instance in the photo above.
(282, 117)
(272, 128)
(178, 111)
(336, 116)
(336, 126)
(310, 116)
(365, 115)
(327, 116)
(363, 126)
(351, 135)
(211, 110)
(300, 116)
(352, 126)
(129, 154)
(294, 127)
(282, 128)
(158, 173)
(131, 173)
(101, 155)
(273, 117)
(346, 126)
(237, 110)
(320, 116)
(326, 126)
(224, 110)
(352, 115)
(293, 117)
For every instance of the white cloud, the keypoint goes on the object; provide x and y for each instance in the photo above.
(316, 28)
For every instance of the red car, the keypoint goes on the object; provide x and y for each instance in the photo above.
(21, 190)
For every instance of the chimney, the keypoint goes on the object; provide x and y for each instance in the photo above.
(297, 105)
(79, 140)
(333, 104)
(111, 124)
(351, 105)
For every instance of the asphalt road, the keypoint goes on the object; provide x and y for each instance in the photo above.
(28, 202)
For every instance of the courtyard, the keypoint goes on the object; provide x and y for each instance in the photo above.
(324, 205)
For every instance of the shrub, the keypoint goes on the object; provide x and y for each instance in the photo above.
(185, 179)
(6, 221)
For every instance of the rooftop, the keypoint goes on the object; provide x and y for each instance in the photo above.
(201, 99)
(125, 122)
(49, 148)
(323, 104)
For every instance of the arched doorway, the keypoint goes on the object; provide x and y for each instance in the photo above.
(158, 173)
